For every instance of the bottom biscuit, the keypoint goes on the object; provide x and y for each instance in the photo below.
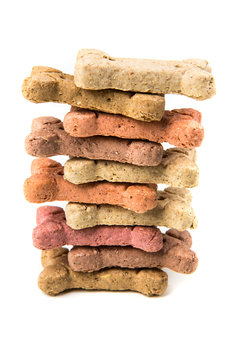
(58, 277)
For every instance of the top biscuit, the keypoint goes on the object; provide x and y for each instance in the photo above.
(96, 70)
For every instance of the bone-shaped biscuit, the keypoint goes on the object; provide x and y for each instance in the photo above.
(173, 211)
(48, 138)
(96, 70)
(175, 255)
(48, 84)
(47, 184)
(181, 127)
(52, 231)
(177, 168)
(57, 277)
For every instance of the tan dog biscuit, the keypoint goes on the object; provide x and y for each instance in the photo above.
(173, 211)
(48, 84)
(96, 70)
(57, 277)
(47, 184)
(181, 127)
(48, 138)
(175, 255)
(177, 168)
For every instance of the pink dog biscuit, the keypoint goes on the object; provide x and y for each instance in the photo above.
(47, 184)
(52, 231)
(180, 127)
(48, 138)
(175, 255)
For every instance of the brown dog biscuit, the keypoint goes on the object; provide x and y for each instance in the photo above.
(180, 127)
(48, 84)
(96, 70)
(52, 231)
(178, 168)
(175, 255)
(173, 211)
(47, 184)
(48, 138)
(57, 277)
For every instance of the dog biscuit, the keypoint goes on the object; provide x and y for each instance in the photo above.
(181, 127)
(175, 255)
(48, 138)
(47, 84)
(52, 231)
(96, 70)
(178, 168)
(57, 277)
(173, 211)
(47, 184)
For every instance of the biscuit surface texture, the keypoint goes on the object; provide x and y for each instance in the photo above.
(96, 70)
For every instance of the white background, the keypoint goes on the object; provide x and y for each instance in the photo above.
(198, 317)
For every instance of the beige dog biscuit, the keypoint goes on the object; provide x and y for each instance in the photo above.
(177, 168)
(173, 211)
(48, 84)
(57, 277)
(96, 70)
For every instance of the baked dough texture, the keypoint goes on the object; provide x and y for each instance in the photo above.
(96, 70)
(47, 184)
(47, 84)
(52, 231)
(178, 168)
(173, 211)
(181, 127)
(48, 138)
(57, 277)
(175, 255)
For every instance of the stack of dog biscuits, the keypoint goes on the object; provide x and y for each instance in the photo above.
(108, 237)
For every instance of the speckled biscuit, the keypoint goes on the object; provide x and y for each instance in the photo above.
(175, 255)
(52, 231)
(47, 184)
(48, 138)
(177, 168)
(57, 277)
(48, 84)
(181, 127)
(173, 211)
(96, 70)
